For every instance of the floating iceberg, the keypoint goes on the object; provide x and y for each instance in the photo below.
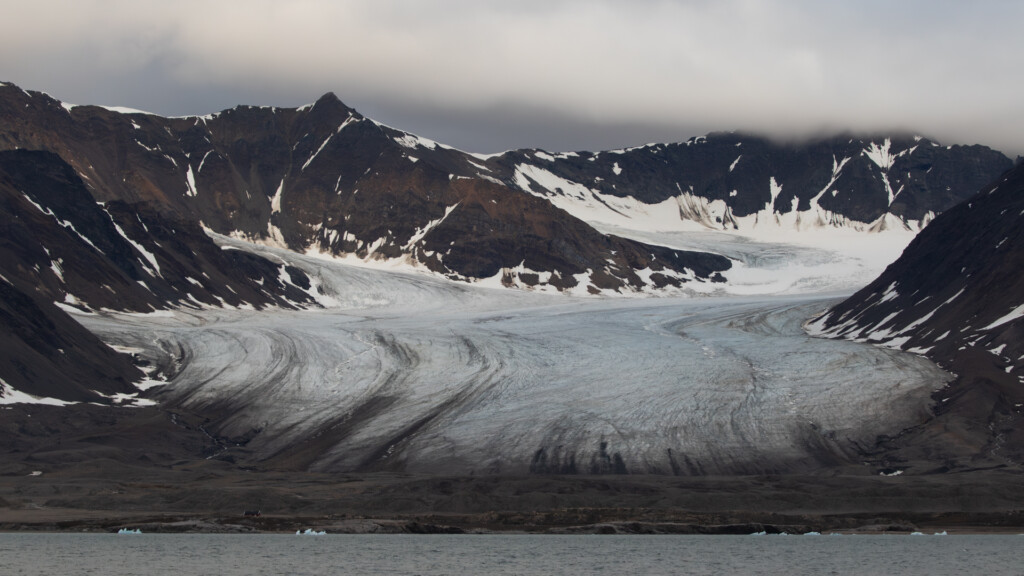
(129, 531)
(310, 532)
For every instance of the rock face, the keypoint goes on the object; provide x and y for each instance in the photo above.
(103, 209)
(323, 178)
(63, 245)
(957, 296)
(59, 245)
(47, 354)
(738, 181)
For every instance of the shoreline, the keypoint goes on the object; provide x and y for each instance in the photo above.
(70, 521)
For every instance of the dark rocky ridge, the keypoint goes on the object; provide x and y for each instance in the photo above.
(59, 245)
(952, 296)
(63, 245)
(735, 168)
(123, 461)
(48, 354)
(323, 177)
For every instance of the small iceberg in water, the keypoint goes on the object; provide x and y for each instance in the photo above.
(761, 533)
(310, 532)
(129, 531)
(812, 533)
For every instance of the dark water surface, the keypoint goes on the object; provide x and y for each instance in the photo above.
(228, 555)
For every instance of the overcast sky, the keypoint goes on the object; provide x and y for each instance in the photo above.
(557, 74)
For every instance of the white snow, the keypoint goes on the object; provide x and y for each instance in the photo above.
(1014, 314)
(478, 166)
(8, 395)
(190, 180)
(889, 294)
(954, 296)
(837, 168)
(501, 374)
(346, 123)
(318, 150)
(203, 161)
(412, 141)
(616, 169)
(735, 162)
(55, 266)
(154, 268)
(275, 202)
(65, 223)
(421, 232)
(880, 154)
(126, 110)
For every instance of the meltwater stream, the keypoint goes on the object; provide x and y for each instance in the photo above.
(408, 372)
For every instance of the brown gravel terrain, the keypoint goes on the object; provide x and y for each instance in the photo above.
(93, 468)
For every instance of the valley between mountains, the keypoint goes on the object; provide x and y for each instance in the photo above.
(314, 314)
(414, 374)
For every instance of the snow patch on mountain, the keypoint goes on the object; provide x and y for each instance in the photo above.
(190, 180)
(412, 141)
(8, 396)
(126, 110)
(421, 232)
(275, 201)
(1014, 314)
(64, 223)
(880, 154)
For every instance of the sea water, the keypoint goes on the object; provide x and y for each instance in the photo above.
(497, 555)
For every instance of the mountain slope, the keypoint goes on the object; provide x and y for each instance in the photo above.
(323, 178)
(735, 181)
(50, 357)
(957, 296)
(59, 246)
(67, 247)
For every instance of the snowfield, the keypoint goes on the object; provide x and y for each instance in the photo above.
(410, 372)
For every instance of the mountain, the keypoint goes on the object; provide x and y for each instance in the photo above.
(107, 209)
(735, 181)
(956, 295)
(63, 251)
(323, 178)
(67, 247)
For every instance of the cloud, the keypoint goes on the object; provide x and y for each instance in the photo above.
(786, 67)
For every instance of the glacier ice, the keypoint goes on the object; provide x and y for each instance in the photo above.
(410, 372)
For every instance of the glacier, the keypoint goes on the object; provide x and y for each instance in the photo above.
(408, 372)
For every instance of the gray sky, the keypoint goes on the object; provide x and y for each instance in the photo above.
(557, 74)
